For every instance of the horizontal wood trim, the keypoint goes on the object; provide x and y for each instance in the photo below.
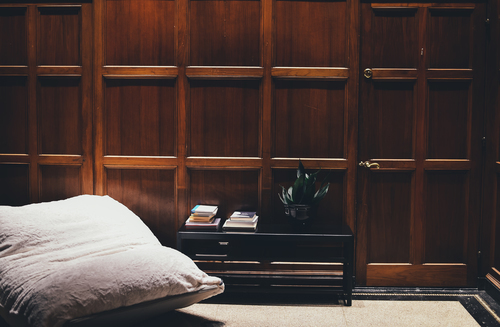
(450, 74)
(494, 277)
(14, 158)
(124, 71)
(393, 7)
(394, 74)
(14, 70)
(139, 160)
(440, 164)
(391, 164)
(341, 73)
(466, 6)
(59, 70)
(49, 159)
(435, 275)
(192, 162)
(216, 72)
(311, 163)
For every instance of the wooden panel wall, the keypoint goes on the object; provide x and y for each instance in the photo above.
(491, 181)
(214, 102)
(164, 104)
(46, 102)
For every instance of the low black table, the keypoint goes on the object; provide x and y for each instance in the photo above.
(277, 243)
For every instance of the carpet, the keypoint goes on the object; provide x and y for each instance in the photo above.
(368, 309)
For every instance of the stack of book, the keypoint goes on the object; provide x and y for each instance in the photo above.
(203, 217)
(245, 221)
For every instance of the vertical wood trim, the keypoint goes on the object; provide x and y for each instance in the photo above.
(352, 104)
(418, 237)
(32, 22)
(182, 82)
(266, 87)
(99, 11)
(86, 55)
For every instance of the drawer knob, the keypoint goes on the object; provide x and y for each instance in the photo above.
(223, 243)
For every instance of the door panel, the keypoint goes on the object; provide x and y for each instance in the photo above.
(421, 141)
(390, 235)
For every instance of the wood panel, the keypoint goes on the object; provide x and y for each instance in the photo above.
(59, 182)
(231, 190)
(449, 120)
(450, 37)
(446, 217)
(59, 36)
(389, 233)
(14, 189)
(60, 115)
(224, 119)
(389, 123)
(319, 40)
(303, 111)
(13, 36)
(150, 193)
(490, 233)
(225, 33)
(140, 117)
(140, 32)
(47, 118)
(13, 115)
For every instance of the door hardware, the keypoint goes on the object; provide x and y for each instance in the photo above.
(367, 164)
(368, 73)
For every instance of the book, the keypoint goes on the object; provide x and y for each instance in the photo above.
(204, 210)
(212, 225)
(201, 218)
(243, 215)
(251, 225)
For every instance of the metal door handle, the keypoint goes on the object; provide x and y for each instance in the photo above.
(368, 73)
(367, 164)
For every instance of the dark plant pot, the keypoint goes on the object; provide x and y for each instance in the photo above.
(300, 215)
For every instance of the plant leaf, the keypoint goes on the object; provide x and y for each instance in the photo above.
(320, 194)
(298, 189)
(301, 170)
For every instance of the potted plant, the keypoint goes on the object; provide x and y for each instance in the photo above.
(301, 199)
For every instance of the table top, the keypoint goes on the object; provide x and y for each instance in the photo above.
(281, 230)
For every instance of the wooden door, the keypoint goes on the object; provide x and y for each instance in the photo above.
(420, 134)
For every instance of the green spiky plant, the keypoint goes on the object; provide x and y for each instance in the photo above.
(304, 190)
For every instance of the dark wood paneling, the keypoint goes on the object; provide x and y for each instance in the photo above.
(14, 186)
(225, 33)
(229, 189)
(140, 32)
(311, 33)
(224, 119)
(59, 182)
(330, 210)
(303, 112)
(59, 36)
(150, 194)
(450, 38)
(388, 121)
(140, 117)
(389, 232)
(495, 212)
(60, 115)
(448, 120)
(13, 115)
(446, 220)
(13, 36)
(394, 36)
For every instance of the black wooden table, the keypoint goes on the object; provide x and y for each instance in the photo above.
(277, 243)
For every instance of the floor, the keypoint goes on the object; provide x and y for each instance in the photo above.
(371, 307)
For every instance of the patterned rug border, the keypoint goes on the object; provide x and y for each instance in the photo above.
(477, 297)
